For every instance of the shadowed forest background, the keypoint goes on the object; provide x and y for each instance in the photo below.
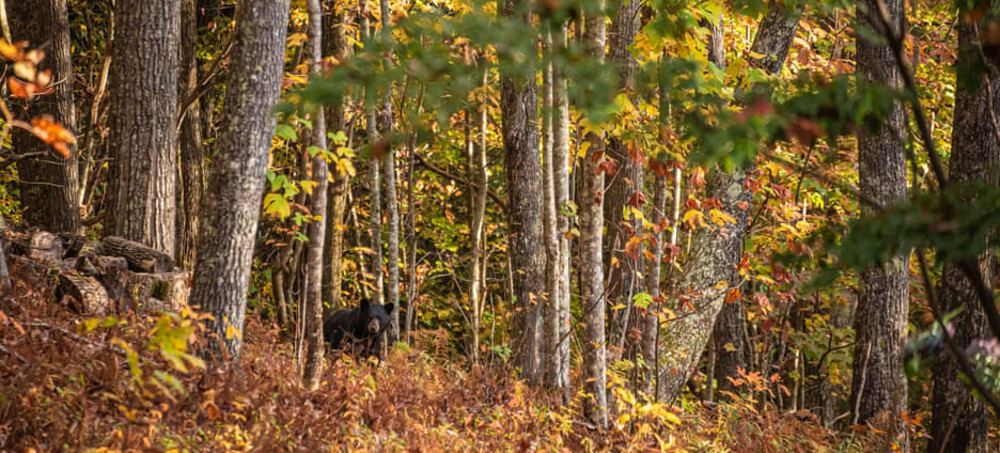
(563, 225)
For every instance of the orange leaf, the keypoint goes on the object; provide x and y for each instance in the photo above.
(53, 133)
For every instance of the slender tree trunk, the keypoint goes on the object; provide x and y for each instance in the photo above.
(236, 181)
(960, 419)
(879, 383)
(49, 185)
(592, 298)
(715, 253)
(550, 224)
(523, 168)
(375, 212)
(391, 202)
(192, 155)
(478, 177)
(143, 142)
(623, 267)
(313, 368)
(556, 182)
(650, 319)
(336, 44)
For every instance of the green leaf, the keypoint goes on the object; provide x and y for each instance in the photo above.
(286, 132)
(277, 204)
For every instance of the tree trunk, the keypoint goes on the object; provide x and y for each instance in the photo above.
(523, 168)
(375, 211)
(313, 368)
(960, 420)
(144, 74)
(650, 320)
(590, 196)
(550, 224)
(478, 174)
(226, 238)
(391, 203)
(624, 268)
(337, 46)
(879, 383)
(559, 362)
(49, 185)
(192, 155)
(716, 253)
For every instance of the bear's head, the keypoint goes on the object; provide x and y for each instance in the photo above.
(375, 317)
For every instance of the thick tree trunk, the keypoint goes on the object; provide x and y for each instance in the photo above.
(391, 203)
(226, 239)
(960, 419)
(337, 46)
(590, 196)
(624, 269)
(728, 331)
(144, 73)
(313, 368)
(518, 102)
(879, 383)
(192, 154)
(716, 253)
(49, 185)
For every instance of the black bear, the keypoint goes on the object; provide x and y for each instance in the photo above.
(359, 330)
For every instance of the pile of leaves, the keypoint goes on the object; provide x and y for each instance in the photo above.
(135, 383)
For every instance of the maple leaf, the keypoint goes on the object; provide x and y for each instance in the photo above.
(54, 134)
(698, 178)
(638, 199)
(26, 90)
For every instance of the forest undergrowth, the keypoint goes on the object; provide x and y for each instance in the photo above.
(132, 384)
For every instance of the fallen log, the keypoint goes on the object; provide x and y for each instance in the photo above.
(167, 291)
(46, 246)
(140, 258)
(84, 295)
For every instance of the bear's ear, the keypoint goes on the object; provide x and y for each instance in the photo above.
(388, 308)
(365, 303)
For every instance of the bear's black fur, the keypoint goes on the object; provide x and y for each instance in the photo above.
(358, 331)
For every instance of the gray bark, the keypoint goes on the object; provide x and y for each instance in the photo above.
(557, 329)
(226, 239)
(141, 201)
(523, 168)
(391, 203)
(313, 368)
(960, 420)
(879, 383)
(715, 253)
(49, 184)
(590, 196)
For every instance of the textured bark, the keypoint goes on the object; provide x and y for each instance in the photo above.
(143, 111)
(391, 203)
(335, 45)
(192, 154)
(590, 197)
(523, 168)
(226, 239)
(550, 224)
(49, 185)
(650, 320)
(375, 210)
(960, 420)
(879, 383)
(728, 331)
(140, 257)
(313, 368)
(715, 253)
(624, 269)
(557, 327)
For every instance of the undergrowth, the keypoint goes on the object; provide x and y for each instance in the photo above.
(133, 384)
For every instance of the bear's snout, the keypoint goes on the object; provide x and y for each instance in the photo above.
(373, 326)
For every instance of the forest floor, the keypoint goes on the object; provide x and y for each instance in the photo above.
(129, 383)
